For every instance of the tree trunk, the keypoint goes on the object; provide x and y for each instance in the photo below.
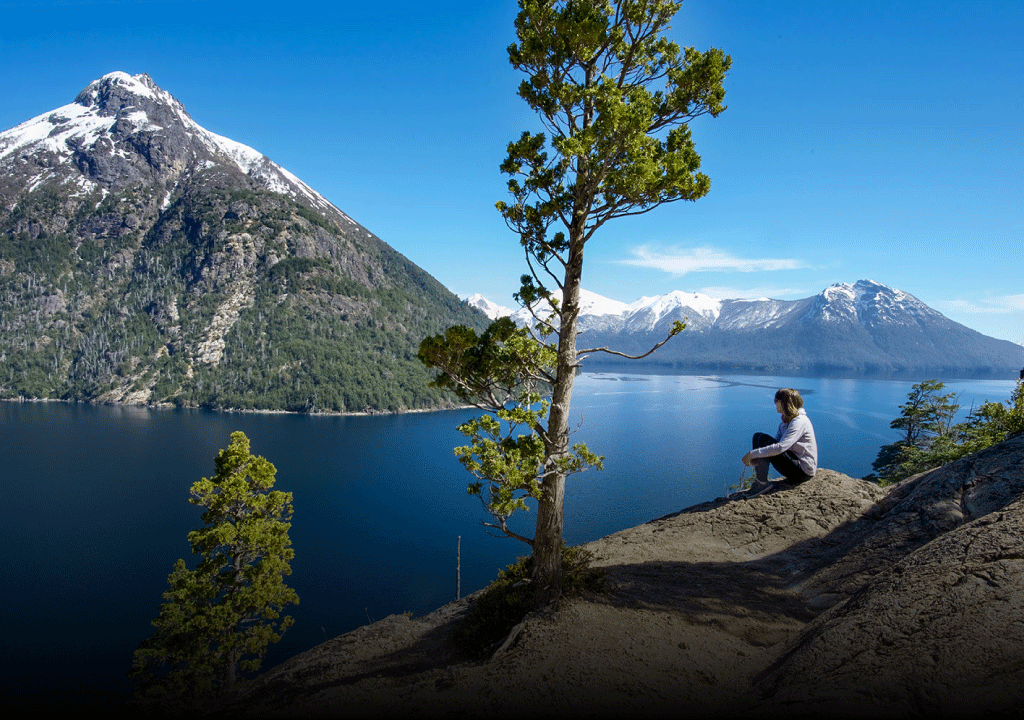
(231, 661)
(547, 541)
(230, 671)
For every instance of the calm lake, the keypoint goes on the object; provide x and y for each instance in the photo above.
(97, 509)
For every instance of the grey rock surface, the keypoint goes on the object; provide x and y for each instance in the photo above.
(933, 622)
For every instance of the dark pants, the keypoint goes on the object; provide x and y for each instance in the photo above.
(785, 463)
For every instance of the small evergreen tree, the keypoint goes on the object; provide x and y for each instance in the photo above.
(221, 616)
(926, 415)
(991, 423)
(926, 422)
(931, 439)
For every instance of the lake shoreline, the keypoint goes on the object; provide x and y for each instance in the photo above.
(248, 411)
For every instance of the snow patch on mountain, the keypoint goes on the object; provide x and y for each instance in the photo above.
(491, 309)
(865, 303)
(55, 131)
(593, 304)
(598, 312)
(647, 313)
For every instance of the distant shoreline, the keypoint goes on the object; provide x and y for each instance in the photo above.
(594, 368)
(251, 411)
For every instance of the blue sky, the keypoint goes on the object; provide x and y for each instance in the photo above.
(863, 139)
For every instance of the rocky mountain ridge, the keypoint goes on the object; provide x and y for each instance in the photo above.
(835, 597)
(861, 327)
(144, 259)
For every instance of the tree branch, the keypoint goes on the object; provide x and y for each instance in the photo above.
(676, 329)
(509, 533)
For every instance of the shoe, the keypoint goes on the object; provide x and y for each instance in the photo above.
(759, 487)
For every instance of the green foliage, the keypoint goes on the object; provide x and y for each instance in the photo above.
(994, 422)
(312, 216)
(926, 416)
(489, 369)
(615, 97)
(926, 423)
(930, 439)
(506, 601)
(510, 467)
(221, 616)
(503, 371)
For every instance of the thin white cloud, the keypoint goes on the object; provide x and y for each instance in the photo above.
(992, 305)
(683, 261)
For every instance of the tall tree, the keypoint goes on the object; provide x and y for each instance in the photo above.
(221, 616)
(615, 97)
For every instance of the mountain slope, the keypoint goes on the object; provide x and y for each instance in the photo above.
(144, 259)
(864, 327)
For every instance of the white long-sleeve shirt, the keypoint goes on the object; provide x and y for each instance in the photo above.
(797, 436)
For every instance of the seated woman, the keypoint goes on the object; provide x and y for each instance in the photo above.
(793, 451)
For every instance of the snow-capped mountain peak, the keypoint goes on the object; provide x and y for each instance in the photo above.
(867, 302)
(600, 311)
(491, 309)
(120, 117)
(688, 304)
(593, 304)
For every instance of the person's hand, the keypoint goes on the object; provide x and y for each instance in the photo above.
(747, 461)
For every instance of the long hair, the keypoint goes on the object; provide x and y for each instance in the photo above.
(791, 403)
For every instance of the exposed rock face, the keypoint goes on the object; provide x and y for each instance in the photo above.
(833, 598)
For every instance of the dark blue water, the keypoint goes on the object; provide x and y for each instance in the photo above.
(97, 511)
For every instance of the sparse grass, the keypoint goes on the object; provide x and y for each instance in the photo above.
(743, 484)
(510, 597)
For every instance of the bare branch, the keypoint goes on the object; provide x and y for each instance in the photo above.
(675, 331)
(509, 533)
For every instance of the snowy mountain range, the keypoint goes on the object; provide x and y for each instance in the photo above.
(863, 327)
(147, 260)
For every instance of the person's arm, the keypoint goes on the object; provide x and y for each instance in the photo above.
(792, 433)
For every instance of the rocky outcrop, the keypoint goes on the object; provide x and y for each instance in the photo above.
(932, 618)
(835, 597)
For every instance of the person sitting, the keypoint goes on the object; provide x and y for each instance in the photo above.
(793, 451)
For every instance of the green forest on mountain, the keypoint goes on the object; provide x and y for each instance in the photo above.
(104, 298)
